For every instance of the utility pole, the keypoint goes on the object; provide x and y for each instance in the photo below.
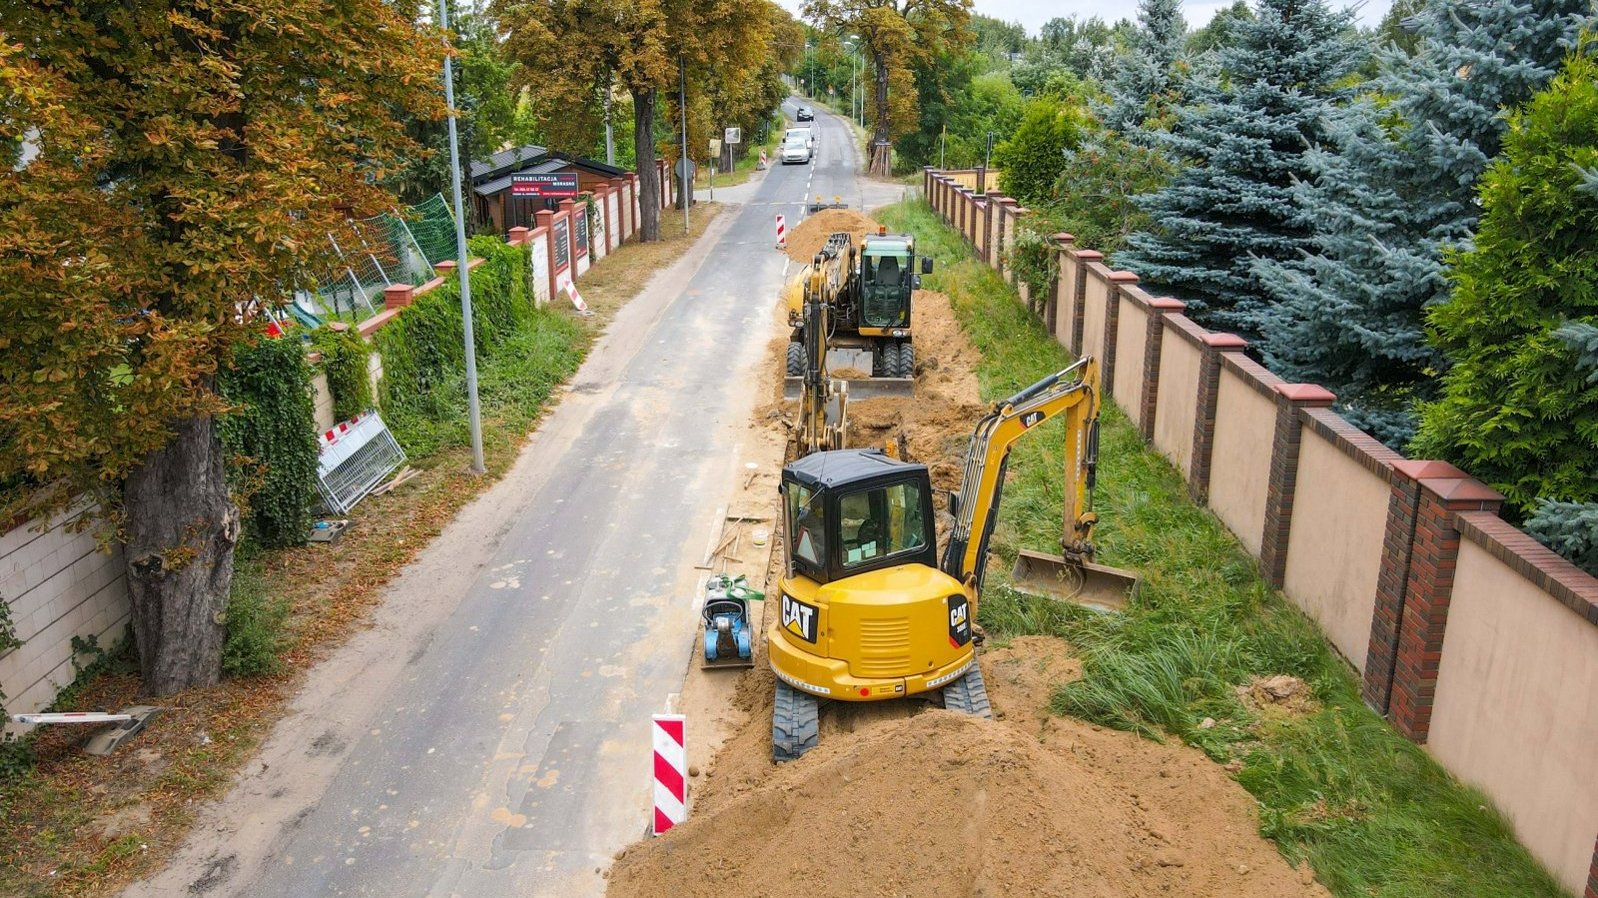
(682, 105)
(610, 134)
(460, 254)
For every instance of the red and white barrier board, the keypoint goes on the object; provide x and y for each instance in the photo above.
(671, 771)
(782, 233)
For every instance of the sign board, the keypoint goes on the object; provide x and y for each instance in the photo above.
(561, 234)
(715, 147)
(555, 185)
(679, 169)
(735, 135)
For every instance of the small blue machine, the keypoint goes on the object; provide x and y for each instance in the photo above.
(729, 636)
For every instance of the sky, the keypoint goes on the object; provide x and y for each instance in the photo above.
(1033, 13)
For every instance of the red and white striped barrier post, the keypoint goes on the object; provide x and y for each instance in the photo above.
(576, 298)
(782, 232)
(671, 771)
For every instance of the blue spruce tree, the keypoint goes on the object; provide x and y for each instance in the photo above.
(1244, 139)
(1393, 185)
(1147, 78)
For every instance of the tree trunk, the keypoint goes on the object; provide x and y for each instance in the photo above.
(881, 141)
(648, 175)
(181, 529)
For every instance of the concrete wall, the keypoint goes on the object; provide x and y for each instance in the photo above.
(1245, 423)
(1516, 711)
(1470, 637)
(57, 585)
(1094, 309)
(1176, 399)
(1131, 336)
(1335, 553)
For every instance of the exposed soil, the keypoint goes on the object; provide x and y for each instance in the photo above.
(907, 799)
(809, 236)
(904, 798)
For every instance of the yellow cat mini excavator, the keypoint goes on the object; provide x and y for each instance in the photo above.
(868, 610)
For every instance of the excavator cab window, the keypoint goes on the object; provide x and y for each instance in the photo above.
(886, 278)
(807, 524)
(881, 522)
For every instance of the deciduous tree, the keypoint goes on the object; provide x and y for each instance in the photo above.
(897, 34)
(190, 161)
(571, 51)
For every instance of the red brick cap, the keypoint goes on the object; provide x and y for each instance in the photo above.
(1225, 341)
(1468, 489)
(1089, 255)
(1167, 303)
(1063, 237)
(1123, 277)
(1422, 469)
(1306, 394)
(446, 265)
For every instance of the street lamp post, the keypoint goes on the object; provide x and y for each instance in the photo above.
(473, 411)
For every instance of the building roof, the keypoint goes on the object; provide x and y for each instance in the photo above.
(503, 182)
(506, 161)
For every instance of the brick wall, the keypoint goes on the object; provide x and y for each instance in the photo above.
(57, 585)
(1369, 544)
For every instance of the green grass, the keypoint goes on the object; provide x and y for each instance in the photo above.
(1373, 813)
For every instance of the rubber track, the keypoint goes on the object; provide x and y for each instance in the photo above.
(969, 694)
(795, 723)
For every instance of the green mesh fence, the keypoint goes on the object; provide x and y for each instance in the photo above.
(391, 248)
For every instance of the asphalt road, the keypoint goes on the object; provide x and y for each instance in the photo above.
(510, 757)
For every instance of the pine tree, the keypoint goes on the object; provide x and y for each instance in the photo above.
(1147, 78)
(1517, 408)
(1392, 188)
(1244, 139)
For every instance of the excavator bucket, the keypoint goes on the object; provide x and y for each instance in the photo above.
(1096, 586)
(862, 388)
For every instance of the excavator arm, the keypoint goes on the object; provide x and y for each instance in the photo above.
(822, 400)
(1072, 392)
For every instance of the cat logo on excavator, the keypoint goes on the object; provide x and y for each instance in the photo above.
(799, 618)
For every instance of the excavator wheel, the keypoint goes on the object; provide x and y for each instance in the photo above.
(796, 360)
(795, 723)
(968, 695)
(907, 359)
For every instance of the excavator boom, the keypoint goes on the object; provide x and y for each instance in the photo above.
(1074, 393)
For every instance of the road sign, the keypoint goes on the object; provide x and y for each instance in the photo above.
(679, 169)
(735, 135)
(554, 185)
(715, 147)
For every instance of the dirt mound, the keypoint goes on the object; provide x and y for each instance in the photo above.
(1280, 695)
(809, 236)
(940, 804)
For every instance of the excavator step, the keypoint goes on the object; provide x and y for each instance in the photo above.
(795, 723)
(863, 388)
(969, 694)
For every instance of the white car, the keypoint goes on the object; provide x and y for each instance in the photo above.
(809, 135)
(795, 149)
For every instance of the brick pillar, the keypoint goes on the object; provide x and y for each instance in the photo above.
(1051, 307)
(1592, 875)
(1112, 319)
(1148, 402)
(1079, 297)
(546, 221)
(398, 296)
(1419, 552)
(518, 236)
(1284, 474)
(1209, 387)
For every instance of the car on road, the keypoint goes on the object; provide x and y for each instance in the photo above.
(804, 114)
(795, 148)
(807, 133)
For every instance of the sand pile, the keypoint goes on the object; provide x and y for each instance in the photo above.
(938, 804)
(809, 236)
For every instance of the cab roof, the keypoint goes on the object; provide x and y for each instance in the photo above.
(845, 467)
(902, 243)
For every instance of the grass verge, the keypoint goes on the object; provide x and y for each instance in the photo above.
(72, 825)
(1371, 812)
(745, 167)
